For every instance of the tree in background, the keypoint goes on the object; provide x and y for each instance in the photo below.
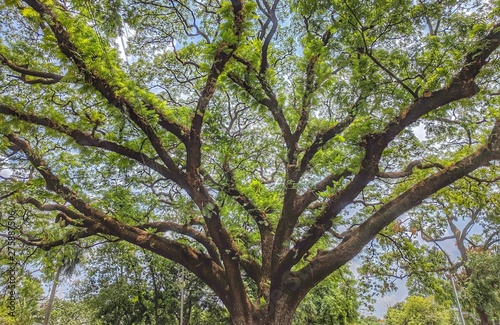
(472, 205)
(481, 288)
(127, 285)
(417, 310)
(73, 312)
(333, 301)
(368, 320)
(259, 144)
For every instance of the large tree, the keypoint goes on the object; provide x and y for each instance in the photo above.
(244, 140)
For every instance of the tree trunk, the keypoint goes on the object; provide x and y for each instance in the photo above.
(282, 317)
(279, 311)
(48, 309)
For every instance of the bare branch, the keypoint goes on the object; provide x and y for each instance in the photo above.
(409, 169)
(44, 77)
(270, 102)
(482, 180)
(222, 56)
(391, 74)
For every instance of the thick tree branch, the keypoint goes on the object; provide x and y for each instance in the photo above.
(289, 213)
(293, 205)
(326, 262)
(74, 218)
(253, 269)
(222, 56)
(271, 13)
(103, 86)
(227, 247)
(110, 92)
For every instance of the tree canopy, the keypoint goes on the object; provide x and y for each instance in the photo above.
(259, 144)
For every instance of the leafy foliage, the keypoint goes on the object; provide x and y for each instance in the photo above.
(334, 301)
(130, 286)
(73, 313)
(419, 310)
(481, 290)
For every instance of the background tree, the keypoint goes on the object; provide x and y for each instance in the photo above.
(126, 285)
(481, 289)
(259, 144)
(419, 310)
(473, 205)
(333, 301)
(368, 320)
